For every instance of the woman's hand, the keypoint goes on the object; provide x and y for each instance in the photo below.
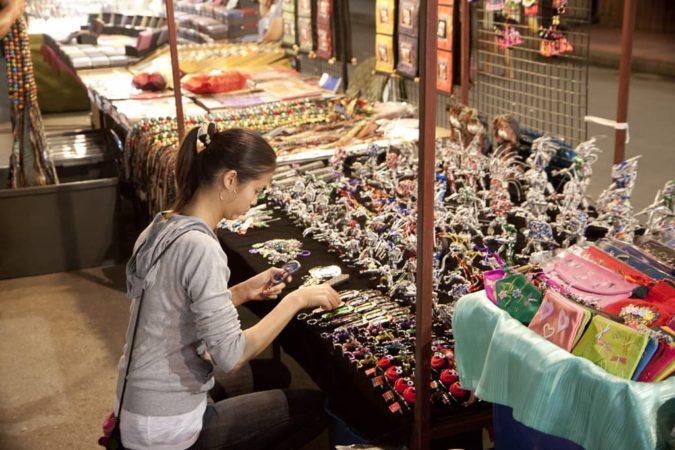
(261, 287)
(322, 296)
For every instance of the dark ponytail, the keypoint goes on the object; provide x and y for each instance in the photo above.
(187, 176)
(237, 149)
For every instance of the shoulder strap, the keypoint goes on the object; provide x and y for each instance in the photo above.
(138, 315)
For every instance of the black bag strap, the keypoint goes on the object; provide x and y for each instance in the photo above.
(138, 315)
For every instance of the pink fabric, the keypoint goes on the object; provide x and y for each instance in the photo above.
(559, 320)
(589, 281)
(490, 278)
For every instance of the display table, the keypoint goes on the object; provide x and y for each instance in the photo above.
(350, 392)
(553, 391)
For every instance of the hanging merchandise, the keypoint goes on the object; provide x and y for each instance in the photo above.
(531, 11)
(553, 39)
(444, 42)
(305, 32)
(491, 8)
(385, 13)
(408, 38)
(384, 53)
(288, 16)
(512, 10)
(385, 17)
(506, 34)
(306, 26)
(29, 163)
(494, 5)
(506, 23)
(407, 56)
(444, 75)
(408, 17)
(444, 28)
(324, 29)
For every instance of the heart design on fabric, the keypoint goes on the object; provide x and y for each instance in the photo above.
(548, 330)
(546, 310)
(563, 321)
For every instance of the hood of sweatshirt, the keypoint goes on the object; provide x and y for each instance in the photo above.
(162, 232)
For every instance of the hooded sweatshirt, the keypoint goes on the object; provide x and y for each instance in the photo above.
(186, 303)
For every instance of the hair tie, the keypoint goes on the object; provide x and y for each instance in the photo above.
(206, 132)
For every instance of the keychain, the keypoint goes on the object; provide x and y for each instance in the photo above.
(288, 268)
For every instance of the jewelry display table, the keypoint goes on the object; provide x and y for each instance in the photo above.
(351, 393)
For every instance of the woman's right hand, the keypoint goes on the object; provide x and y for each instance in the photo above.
(322, 296)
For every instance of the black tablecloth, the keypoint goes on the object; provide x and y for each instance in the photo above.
(350, 392)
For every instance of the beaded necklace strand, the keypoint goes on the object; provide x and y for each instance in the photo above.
(28, 162)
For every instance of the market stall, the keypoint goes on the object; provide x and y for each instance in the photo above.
(421, 223)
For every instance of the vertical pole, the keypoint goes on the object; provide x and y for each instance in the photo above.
(629, 11)
(425, 222)
(345, 33)
(464, 52)
(173, 47)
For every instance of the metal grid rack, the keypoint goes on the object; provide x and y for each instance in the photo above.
(547, 94)
(409, 92)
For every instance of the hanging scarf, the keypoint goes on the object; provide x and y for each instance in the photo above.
(28, 164)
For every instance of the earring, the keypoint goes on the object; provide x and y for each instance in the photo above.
(221, 196)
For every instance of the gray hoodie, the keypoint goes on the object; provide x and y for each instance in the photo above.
(186, 303)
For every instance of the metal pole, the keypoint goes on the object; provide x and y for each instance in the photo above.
(425, 222)
(629, 11)
(173, 47)
(464, 53)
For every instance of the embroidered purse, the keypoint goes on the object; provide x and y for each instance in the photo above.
(490, 278)
(588, 281)
(518, 296)
(560, 320)
(612, 346)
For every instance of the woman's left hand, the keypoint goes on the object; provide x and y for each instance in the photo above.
(261, 287)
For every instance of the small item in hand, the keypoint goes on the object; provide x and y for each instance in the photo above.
(289, 268)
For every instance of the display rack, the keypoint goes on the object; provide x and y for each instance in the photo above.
(548, 94)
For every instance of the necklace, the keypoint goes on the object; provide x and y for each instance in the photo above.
(28, 162)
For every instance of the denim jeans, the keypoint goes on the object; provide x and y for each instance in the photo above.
(252, 409)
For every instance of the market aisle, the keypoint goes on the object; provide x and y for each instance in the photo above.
(60, 336)
(651, 110)
(60, 339)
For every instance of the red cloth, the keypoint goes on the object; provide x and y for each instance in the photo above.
(661, 298)
(214, 84)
